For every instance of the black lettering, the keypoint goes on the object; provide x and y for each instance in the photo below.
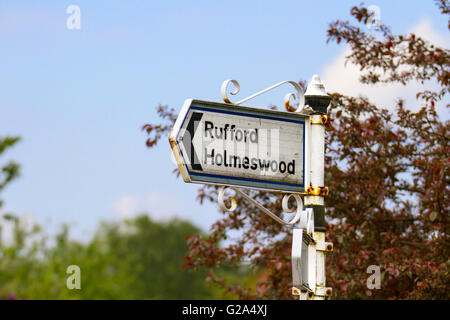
(264, 164)
(245, 135)
(291, 167)
(208, 127)
(273, 166)
(238, 131)
(254, 164)
(235, 158)
(219, 163)
(282, 166)
(226, 129)
(254, 136)
(221, 133)
(245, 162)
(209, 156)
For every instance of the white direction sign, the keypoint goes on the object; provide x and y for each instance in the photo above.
(225, 144)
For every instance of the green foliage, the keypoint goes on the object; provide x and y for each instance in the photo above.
(132, 259)
(10, 170)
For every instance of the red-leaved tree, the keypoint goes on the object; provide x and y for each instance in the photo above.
(388, 176)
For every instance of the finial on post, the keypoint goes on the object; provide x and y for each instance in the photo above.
(316, 97)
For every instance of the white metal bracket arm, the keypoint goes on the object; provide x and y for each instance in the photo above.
(305, 217)
(300, 97)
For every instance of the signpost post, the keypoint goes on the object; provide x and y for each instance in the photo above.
(317, 98)
(245, 147)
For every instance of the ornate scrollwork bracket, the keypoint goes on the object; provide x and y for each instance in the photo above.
(299, 96)
(305, 218)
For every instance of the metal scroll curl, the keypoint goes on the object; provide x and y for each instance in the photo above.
(299, 96)
(305, 217)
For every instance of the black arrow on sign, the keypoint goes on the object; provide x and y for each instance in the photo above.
(188, 143)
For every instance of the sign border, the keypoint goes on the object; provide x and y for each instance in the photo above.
(195, 177)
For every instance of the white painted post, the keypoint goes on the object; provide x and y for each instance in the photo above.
(317, 98)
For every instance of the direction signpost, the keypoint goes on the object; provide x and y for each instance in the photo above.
(244, 147)
(223, 144)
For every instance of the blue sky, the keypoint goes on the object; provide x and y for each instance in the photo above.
(78, 98)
